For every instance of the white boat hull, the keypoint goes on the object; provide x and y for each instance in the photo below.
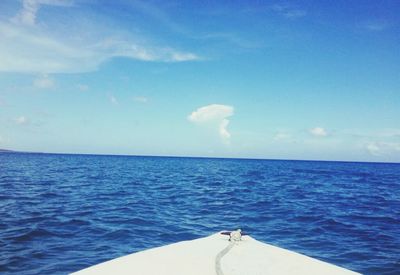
(198, 257)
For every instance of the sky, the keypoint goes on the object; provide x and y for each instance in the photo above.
(312, 80)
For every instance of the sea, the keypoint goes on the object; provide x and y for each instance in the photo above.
(60, 213)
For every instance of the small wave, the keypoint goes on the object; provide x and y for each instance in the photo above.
(119, 234)
(314, 172)
(140, 221)
(93, 208)
(33, 234)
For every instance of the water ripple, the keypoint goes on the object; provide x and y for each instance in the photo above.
(61, 213)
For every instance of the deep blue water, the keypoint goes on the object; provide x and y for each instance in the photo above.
(62, 213)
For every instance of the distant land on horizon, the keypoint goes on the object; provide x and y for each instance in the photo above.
(6, 151)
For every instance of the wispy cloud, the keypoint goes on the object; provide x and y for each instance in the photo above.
(375, 26)
(30, 47)
(383, 148)
(179, 57)
(43, 82)
(289, 11)
(120, 47)
(27, 14)
(223, 130)
(318, 132)
(373, 149)
(214, 113)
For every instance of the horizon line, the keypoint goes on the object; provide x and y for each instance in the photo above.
(198, 157)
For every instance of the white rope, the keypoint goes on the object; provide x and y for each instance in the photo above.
(234, 237)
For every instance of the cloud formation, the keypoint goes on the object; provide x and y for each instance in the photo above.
(382, 148)
(318, 132)
(27, 14)
(223, 130)
(214, 113)
(289, 11)
(30, 45)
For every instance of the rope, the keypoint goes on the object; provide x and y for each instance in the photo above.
(235, 236)
(221, 254)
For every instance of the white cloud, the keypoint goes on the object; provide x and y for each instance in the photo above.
(211, 112)
(179, 57)
(27, 14)
(30, 45)
(373, 149)
(33, 51)
(375, 26)
(113, 100)
(21, 120)
(121, 47)
(140, 99)
(382, 148)
(216, 113)
(223, 130)
(43, 82)
(318, 132)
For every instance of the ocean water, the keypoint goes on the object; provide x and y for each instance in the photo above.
(62, 213)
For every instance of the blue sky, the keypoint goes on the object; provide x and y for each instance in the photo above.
(251, 79)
